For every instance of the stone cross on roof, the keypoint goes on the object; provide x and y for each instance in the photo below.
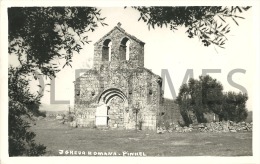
(118, 27)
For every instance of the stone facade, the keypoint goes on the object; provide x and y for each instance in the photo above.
(170, 112)
(132, 94)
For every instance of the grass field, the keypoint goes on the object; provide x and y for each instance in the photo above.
(58, 136)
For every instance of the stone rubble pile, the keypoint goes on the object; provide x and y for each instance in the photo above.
(64, 118)
(174, 128)
(57, 114)
(224, 126)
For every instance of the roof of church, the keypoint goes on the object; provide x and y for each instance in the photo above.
(118, 27)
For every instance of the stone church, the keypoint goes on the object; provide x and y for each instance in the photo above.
(118, 92)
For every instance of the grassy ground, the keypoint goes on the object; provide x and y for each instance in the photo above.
(58, 136)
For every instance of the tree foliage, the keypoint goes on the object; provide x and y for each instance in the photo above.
(200, 96)
(38, 36)
(22, 105)
(208, 23)
(235, 107)
(206, 96)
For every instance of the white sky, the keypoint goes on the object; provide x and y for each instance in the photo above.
(174, 51)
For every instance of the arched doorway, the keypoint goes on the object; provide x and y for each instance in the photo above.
(116, 106)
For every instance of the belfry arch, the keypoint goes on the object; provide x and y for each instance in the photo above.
(106, 50)
(124, 49)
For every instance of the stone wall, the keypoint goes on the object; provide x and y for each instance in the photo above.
(140, 86)
(170, 112)
(124, 85)
(85, 116)
(136, 49)
(215, 127)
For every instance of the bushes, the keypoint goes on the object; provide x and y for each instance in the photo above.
(187, 120)
(20, 139)
(234, 107)
(206, 96)
(22, 105)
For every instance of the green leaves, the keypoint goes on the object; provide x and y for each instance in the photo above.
(22, 104)
(39, 34)
(201, 21)
(206, 95)
(234, 107)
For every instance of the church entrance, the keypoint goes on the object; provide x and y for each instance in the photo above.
(112, 109)
(116, 113)
(101, 114)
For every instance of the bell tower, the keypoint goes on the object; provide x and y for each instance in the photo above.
(119, 47)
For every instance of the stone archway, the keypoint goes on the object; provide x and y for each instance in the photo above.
(116, 104)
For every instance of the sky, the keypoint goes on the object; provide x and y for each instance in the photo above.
(174, 51)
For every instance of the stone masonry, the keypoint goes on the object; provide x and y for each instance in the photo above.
(131, 93)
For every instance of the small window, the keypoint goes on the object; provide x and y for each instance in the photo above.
(124, 49)
(109, 51)
(106, 50)
(162, 113)
(127, 50)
